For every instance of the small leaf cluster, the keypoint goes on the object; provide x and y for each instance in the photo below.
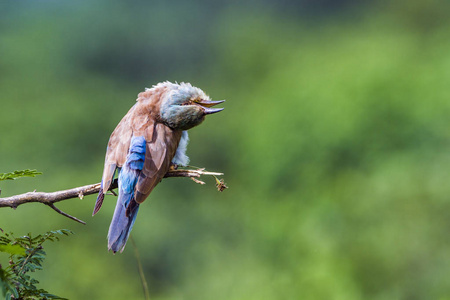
(26, 254)
(19, 174)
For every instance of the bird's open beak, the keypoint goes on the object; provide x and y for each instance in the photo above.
(207, 104)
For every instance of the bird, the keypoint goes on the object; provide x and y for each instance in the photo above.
(150, 139)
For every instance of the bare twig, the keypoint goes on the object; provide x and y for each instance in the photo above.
(79, 192)
(66, 214)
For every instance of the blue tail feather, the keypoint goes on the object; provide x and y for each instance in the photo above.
(121, 224)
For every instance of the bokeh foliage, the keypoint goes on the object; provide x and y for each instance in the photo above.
(334, 142)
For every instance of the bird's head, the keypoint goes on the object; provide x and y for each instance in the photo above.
(185, 106)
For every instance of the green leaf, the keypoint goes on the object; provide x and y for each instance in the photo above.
(13, 249)
(26, 256)
(19, 174)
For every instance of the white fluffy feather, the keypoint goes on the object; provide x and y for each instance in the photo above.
(180, 157)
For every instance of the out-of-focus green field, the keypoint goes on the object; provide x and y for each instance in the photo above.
(334, 141)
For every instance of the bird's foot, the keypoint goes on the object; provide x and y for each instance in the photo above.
(173, 167)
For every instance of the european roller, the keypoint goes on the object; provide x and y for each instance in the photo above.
(150, 137)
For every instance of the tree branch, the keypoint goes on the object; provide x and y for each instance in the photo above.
(79, 192)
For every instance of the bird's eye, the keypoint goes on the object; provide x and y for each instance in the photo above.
(190, 102)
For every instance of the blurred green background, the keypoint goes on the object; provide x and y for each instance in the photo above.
(335, 144)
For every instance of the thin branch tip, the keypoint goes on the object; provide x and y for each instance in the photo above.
(66, 214)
